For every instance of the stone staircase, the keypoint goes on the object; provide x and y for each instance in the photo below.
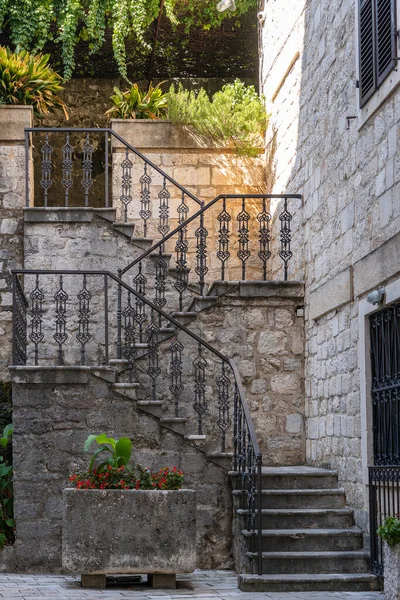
(309, 540)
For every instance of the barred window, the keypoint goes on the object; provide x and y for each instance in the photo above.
(377, 44)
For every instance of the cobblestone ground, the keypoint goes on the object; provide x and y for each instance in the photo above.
(204, 585)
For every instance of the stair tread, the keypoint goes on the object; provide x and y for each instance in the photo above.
(318, 554)
(308, 576)
(300, 511)
(304, 471)
(126, 385)
(309, 532)
(174, 420)
(150, 403)
(303, 492)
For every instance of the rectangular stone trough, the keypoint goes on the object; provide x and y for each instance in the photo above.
(129, 531)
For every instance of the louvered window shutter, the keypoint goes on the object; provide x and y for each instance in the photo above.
(377, 44)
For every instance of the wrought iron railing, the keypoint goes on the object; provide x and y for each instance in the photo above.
(87, 165)
(71, 317)
(258, 248)
(384, 501)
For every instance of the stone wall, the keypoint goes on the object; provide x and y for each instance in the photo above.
(12, 200)
(349, 174)
(54, 412)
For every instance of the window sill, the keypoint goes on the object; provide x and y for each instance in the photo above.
(387, 88)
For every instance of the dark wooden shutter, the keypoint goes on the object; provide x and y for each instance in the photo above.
(367, 50)
(377, 44)
(386, 37)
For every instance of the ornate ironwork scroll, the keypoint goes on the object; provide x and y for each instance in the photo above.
(129, 318)
(46, 181)
(161, 275)
(20, 305)
(87, 167)
(66, 180)
(223, 239)
(36, 335)
(140, 308)
(83, 335)
(200, 404)
(164, 197)
(61, 335)
(181, 249)
(243, 253)
(145, 211)
(153, 368)
(201, 253)
(286, 236)
(176, 387)
(264, 253)
(126, 185)
(224, 422)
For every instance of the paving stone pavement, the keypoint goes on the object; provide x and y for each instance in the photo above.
(204, 585)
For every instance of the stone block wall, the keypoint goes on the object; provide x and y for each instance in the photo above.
(349, 175)
(12, 200)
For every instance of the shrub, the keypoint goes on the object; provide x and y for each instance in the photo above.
(137, 104)
(26, 79)
(7, 523)
(235, 114)
(389, 531)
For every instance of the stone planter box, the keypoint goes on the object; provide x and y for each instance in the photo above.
(129, 531)
(391, 562)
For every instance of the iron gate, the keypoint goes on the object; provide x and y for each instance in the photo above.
(384, 476)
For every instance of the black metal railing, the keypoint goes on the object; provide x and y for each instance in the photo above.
(70, 317)
(384, 501)
(87, 165)
(246, 243)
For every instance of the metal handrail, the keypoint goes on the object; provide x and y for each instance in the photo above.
(106, 130)
(200, 212)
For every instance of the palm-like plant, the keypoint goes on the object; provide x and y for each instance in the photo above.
(135, 104)
(27, 79)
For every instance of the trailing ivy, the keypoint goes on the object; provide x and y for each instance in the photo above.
(33, 23)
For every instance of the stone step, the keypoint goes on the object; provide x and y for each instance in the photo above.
(142, 243)
(319, 518)
(308, 540)
(106, 213)
(129, 390)
(202, 303)
(184, 317)
(126, 229)
(154, 407)
(280, 478)
(356, 561)
(329, 582)
(177, 424)
(224, 459)
(332, 498)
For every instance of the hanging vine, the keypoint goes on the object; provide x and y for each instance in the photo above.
(33, 23)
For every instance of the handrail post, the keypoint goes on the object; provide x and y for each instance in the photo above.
(119, 317)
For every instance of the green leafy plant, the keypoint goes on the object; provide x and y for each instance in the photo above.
(7, 523)
(137, 104)
(119, 451)
(26, 79)
(32, 23)
(389, 531)
(235, 114)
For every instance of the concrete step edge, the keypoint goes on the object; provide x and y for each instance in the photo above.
(345, 554)
(340, 531)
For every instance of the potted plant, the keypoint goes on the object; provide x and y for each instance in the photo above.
(124, 519)
(389, 531)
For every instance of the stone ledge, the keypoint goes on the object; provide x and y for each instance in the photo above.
(378, 266)
(332, 294)
(38, 214)
(258, 289)
(50, 375)
(13, 120)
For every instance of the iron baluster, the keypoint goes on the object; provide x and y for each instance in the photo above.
(46, 181)
(243, 253)
(223, 239)
(164, 197)
(286, 237)
(130, 351)
(36, 335)
(87, 167)
(20, 305)
(161, 275)
(181, 249)
(201, 253)
(224, 422)
(83, 335)
(61, 335)
(235, 427)
(126, 184)
(145, 211)
(153, 369)
(200, 404)
(140, 313)
(264, 253)
(176, 387)
(66, 180)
